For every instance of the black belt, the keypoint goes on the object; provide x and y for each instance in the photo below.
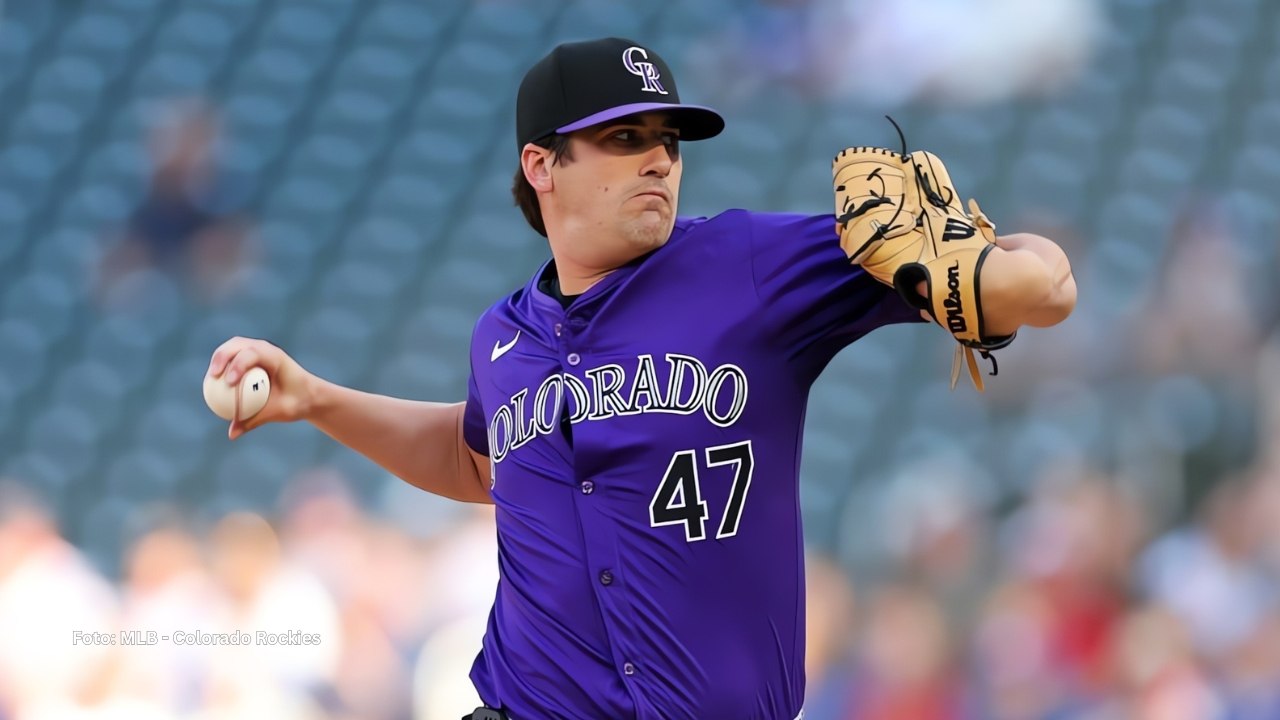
(485, 713)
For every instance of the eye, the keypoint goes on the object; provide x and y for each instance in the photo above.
(672, 142)
(634, 140)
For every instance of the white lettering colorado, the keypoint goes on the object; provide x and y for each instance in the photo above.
(720, 395)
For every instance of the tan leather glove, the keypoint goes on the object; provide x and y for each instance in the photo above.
(900, 218)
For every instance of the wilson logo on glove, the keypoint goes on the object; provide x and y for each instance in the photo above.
(955, 307)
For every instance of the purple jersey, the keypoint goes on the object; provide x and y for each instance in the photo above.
(645, 446)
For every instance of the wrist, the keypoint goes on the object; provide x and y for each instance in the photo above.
(316, 397)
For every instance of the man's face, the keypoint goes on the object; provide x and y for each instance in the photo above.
(617, 191)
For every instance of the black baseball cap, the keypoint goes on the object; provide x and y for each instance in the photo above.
(580, 84)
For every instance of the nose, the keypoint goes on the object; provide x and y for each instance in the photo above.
(657, 161)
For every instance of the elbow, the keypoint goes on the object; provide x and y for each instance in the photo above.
(1060, 298)
(1035, 281)
(1064, 302)
(1055, 302)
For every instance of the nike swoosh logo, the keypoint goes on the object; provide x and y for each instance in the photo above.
(499, 349)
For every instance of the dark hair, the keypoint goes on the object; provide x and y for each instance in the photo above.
(526, 198)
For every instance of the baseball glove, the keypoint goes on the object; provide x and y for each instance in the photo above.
(899, 217)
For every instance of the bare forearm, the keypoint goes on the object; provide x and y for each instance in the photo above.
(419, 442)
(1026, 280)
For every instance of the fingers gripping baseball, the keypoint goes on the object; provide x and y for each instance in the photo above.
(289, 382)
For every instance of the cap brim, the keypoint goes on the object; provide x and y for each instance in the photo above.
(695, 122)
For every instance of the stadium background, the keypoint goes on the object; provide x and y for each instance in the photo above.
(1098, 536)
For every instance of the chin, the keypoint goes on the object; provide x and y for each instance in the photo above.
(645, 235)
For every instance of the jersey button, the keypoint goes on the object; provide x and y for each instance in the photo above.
(574, 358)
(629, 669)
(559, 329)
(588, 487)
(606, 577)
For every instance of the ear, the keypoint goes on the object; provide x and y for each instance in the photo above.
(536, 163)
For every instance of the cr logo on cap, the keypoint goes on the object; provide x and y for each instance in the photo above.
(645, 70)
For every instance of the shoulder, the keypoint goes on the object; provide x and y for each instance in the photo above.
(727, 220)
(499, 321)
(769, 237)
(506, 311)
(739, 224)
(760, 223)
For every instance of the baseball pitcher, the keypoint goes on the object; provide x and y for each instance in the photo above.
(635, 409)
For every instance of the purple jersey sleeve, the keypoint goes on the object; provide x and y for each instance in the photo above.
(473, 423)
(811, 296)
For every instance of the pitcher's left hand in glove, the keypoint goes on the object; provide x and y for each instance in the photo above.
(899, 217)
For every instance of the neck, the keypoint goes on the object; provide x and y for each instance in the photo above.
(574, 276)
(576, 280)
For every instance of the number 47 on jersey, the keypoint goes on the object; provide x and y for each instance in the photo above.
(678, 500)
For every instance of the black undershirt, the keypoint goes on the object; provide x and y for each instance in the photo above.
(549, 283)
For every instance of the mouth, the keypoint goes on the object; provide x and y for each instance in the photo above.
(655, 192)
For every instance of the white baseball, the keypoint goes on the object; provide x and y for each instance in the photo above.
(254, 389)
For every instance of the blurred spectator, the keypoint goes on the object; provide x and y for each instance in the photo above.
(167, 587)
(463, 576)
(1073, 543)
(829, 638)
(1018, 673)
(268, 594)
(906, 665)
(321, 529)
(1251, 676)
(1198, 571)
(189, 225)
(51, 603)
(1157, 673)
(396, 588)
(935, 531)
